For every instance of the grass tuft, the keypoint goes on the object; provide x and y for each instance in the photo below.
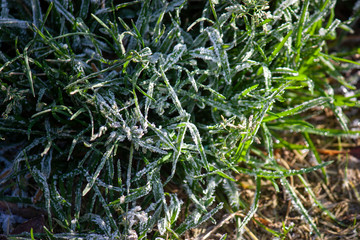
(111, 106)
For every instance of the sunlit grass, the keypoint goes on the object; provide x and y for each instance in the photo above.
(113, 103)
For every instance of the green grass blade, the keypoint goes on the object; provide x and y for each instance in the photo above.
(220, 52)
(316, 154)
(28, 71)
(36, 12)
(84, 9)
(299, 36)
(103, 160)
(318, 203)
(253, 207)
(298, 109)
(190, 221)
(299, 206)
(279, 46)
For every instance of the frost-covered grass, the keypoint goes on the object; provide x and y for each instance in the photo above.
(116, 103)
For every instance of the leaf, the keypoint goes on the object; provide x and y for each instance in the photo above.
(36, 12)
(197, 140)
(298, 205)
(253, 207)
(28, 71)
(84, 9)
(62, 10)
(279, 174)
(174, 208)
(133, 195)
(190, 222)
(317, 156)
(267, 76)
(172, 92)
(220, 52)
(300, 26)
(13, 23)
(174, 57)
(279, 46)
(105, 157)
(298, 109)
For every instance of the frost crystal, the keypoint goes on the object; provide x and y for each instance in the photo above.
(136, 216)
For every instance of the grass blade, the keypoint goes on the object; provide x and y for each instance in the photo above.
(299, 206)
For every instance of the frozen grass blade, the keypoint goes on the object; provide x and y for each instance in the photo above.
(190, 223)
(311, 130)
(173, 94)
(298, 205)
(180, 141)
(124, 102)
(98, 170)
(62, 10)
(28, 70)
(197, 140)
(84, 9)
(317, 202)
(316, 154)
(174, 57)
(254, 124)
(298, 109)
(252, 210)
(279, 46)
(37, 14)
(264, 173)
(13, 23)
(220, 52)
(299, 36)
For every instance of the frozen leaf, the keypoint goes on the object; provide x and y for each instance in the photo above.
(220, 52)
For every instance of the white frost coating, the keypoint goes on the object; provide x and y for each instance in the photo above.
(174, 208)
(267, 76)
(162, 226)
(10, 22)
(79, 66)
(145, 52)
(148, 100)
(150, 147)
(93, 236)
(297, 204)
(322, 32)
(99, 222)
(102, 130)
(285, 4)
(243, 66)
(204, 54)
(285, 70)
(135, 216)
(232, 192)
(248, 55)
(46, 164)
(175, 56)
(356, 6)
(192, 80)
(217, 42)
(173, 95)
(344, 121)
(197, 140)
(197, 217)
(236, 8)
(4, 9)
(330, 91)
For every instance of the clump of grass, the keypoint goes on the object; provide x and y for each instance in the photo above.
(113, 103)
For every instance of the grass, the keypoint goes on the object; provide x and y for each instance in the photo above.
(136, 119)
